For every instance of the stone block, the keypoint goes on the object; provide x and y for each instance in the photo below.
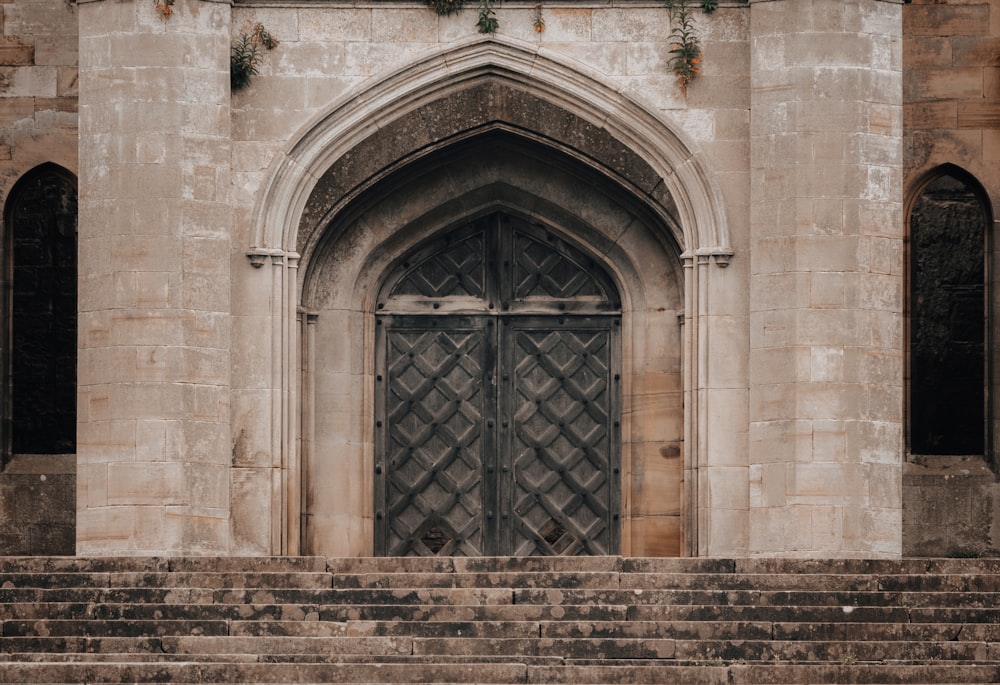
(946, 20)
(727, 487)
(935, 83)
(251, 511)
(105, 440)
(826, 364)
(252, 439)
(567, 24)
(56, 49)
(767, 485)
(779, 441)
(14, 53)
(655, 536)
(656, 474)
(202, 442)
(354, 25)
(28, 82)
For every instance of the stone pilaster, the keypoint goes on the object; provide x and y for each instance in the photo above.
(826, 278)
(154, 419)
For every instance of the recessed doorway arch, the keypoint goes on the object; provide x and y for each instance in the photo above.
(489, 126)
(547, 193)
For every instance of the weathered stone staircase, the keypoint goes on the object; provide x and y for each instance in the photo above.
(534, 620)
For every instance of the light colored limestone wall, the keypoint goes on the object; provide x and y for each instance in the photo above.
(153, 418)
(38, 86)
(951, 58)
(826, 285)
(327, 53)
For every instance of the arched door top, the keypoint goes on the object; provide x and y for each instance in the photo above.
(498, 264)
(470, 88)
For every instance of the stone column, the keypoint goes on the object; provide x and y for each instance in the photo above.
(154, 251)
(826, 278)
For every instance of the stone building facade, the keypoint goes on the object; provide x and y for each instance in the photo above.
(419, 289)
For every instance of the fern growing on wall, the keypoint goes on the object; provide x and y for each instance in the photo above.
(245, 53)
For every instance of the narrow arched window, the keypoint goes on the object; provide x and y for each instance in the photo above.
(948, 318)
(41, 313)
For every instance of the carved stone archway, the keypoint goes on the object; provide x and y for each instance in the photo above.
(486, 126)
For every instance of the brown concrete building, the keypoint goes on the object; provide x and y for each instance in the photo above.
(418, 289)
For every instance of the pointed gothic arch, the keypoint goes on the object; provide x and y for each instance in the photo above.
(39, 313)
(332, 218)
(951, 320)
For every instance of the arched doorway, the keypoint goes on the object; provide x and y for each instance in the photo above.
(497, 397)
(365, 300)
(492, 128)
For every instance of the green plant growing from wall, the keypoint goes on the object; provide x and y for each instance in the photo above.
(165, 8)
(446, 7)
(537, 18)
(488, 22)
(245, 53)
(685, 51)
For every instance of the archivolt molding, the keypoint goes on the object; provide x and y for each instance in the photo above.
(526, 67)
(635, 148)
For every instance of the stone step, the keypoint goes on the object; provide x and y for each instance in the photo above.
(388, 565)
(471, 612)
(104, 595)
(194, 672)
(792, 614)
(362, 565)
(378, 648)
(111, 628)
(748, 566)
(810, 598)
(764, 674)
(526, 629)
(577, 673)
(166, 579)
(137, 611)
(860, 567)
(278, 620)
(927, 603)
(505, 579)
(210, 564)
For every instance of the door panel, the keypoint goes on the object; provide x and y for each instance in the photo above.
(432, 440)
(563, 439)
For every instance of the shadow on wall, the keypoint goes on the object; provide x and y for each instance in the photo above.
(38, 505)
(951, 508)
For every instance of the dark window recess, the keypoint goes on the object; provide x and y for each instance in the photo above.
(43, 321)
(947, 320)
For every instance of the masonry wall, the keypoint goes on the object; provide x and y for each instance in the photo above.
(153, 437)
(951, 56)
(38, 125)
(186, 418)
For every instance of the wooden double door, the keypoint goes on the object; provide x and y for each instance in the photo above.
(498, 398)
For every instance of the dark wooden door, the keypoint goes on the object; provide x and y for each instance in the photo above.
(497, 410)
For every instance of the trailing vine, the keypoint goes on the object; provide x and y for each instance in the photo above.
(165, 8)
(245, 54)
(446, 7)
(686, 45)
(486, 21)
(537, 19)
